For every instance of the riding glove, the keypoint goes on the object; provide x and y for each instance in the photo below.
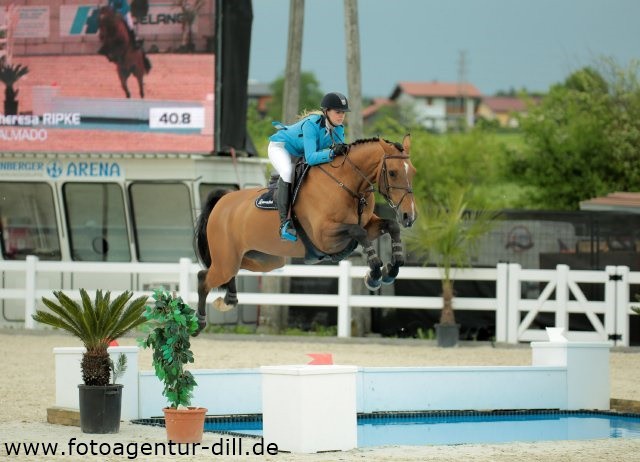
(340, 149)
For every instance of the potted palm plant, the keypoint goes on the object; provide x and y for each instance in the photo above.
(96, 324)
(9, 75)
(171, 322)
(448, 236)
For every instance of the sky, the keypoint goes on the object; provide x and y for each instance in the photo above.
(506, 44)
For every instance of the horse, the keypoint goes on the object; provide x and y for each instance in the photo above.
(333, 210)
(117, 47)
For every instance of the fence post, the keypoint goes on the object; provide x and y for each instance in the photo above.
(611, 303)
(562, 296)
(183, 282)
(30, 291)
(513, 303)
(502, 291)
(622, 306)
(344, 295)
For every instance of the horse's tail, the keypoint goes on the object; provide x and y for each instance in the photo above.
(147, 63)
(201, 243)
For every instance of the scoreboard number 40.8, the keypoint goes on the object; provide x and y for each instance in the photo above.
(183, 117)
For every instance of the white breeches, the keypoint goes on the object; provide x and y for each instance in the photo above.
(281, 160)
(129, 20)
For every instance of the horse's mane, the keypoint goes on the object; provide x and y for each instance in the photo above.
(376, 139)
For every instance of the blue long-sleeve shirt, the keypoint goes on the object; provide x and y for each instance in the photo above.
(310, 138)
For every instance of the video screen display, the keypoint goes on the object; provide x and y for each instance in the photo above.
(72, 97)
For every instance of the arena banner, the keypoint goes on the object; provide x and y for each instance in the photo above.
(162, 19)
(33, 21)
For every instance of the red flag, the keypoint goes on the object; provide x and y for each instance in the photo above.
(320, 358)
(113, 343)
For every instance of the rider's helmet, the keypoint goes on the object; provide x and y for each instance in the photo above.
(335, 100)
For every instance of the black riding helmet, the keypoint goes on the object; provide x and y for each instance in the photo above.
(336, 101)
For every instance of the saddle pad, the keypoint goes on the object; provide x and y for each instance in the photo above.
(266, 200)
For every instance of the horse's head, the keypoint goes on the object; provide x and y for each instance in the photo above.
(395, 180)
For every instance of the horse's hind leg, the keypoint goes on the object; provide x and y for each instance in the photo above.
(230, 300)
(140, 83)
(203, 291)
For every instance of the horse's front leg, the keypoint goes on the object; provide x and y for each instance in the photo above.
(377, 227)
(123, 83)
(390, 270)
(373, 278)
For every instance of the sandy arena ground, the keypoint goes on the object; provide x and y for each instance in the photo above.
(28, 389)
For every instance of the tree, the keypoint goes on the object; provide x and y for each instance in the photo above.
(310, 95)
(584, 138)
(448, 235)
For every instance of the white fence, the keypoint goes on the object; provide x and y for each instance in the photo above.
(516, 304)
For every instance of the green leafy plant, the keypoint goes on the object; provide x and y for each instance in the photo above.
(170, 324)
(95, 324)
(119, 367)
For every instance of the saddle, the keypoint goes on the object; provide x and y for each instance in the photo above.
(267, 201)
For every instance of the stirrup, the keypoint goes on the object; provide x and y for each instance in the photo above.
(287, 232)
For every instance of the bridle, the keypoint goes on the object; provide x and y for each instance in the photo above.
(383, 183)
(384, 179)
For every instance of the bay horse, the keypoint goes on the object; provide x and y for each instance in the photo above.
(117, 47)
(333, 210)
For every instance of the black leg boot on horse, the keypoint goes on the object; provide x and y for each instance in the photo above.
(287, 230)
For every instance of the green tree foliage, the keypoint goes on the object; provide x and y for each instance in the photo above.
(476, 160)
(584, 138)
(310, 95)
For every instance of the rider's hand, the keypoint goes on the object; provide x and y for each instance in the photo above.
(340, 149)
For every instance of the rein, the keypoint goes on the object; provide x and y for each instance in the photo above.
(384, 178)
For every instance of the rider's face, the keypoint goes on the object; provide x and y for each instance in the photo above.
(336, 117)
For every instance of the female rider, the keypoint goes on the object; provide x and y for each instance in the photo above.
(319, 137)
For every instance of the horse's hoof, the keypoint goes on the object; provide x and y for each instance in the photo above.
(388, 274)
(371, 284)
(220, 305)
(202, 323)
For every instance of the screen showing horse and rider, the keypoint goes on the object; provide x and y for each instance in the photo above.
(114, 76)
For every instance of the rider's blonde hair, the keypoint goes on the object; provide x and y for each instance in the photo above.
(306, 113)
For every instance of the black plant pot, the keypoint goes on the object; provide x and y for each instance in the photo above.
(100, 408)
(447, 335)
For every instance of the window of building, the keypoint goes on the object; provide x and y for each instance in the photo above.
(28, 221)
(96, 222)
(163, 221)
(216, 189)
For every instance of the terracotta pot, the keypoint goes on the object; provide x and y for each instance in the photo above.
(184, 425)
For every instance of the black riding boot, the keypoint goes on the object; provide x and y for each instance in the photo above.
(287, 231)
(132, 39)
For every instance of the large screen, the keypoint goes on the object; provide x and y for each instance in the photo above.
(72, 99)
